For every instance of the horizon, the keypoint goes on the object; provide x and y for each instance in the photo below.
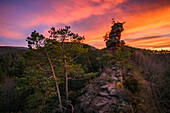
(147, 22)
(159, 50)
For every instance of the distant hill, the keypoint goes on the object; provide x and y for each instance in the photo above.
(90, 47)
(9, 49)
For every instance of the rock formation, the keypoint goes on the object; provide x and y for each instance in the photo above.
(105, 94)
(114, 37)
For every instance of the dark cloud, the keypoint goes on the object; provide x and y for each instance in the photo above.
(136, 6)
(12, 42)
(146, 38)
(161, 46)
(155, 46)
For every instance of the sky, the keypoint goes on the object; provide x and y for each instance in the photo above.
(147, 22)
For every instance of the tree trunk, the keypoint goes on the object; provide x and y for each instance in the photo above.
(89, 62)
(65, 73)
(58, 91)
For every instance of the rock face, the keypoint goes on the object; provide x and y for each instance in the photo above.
(114, 37)
(103, 95)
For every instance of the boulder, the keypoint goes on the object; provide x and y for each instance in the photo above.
(113, 92)
(104, 87)
(103, 94)
(89, 110)
(100, 101)
(111, 87)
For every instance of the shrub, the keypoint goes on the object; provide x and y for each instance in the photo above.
(132, 84)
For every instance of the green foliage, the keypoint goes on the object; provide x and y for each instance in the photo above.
(8, 63)
(90, 74)
(122, 56)
(3, 104)
(122, 42)
(105, 58)
(75, 70)
(38, 89)
(8, 96)
(110, 75)
(88, 60)
(133, 85)
(122, 59)
(47, 62)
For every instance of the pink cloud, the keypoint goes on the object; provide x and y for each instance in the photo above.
(8, 31)
(54, 12)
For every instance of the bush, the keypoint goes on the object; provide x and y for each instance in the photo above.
(132, 84)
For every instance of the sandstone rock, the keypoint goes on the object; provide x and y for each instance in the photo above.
(84, 105)
(103, 93)
(100, 101)
(104, 87)
(102, 96)
(114, 78)
(113, 92)
(114, 100)
(104, 74)
(114, 37)
(114, 68)
(89, 110)
(111, 87)
(121, 79)
(104, 109)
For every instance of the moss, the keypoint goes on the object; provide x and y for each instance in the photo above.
(119, 85)
(110, 75)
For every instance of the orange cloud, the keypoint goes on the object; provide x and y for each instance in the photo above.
(147, 20)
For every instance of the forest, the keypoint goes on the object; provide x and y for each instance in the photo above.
(61, 74)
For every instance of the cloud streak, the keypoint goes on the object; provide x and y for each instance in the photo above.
(146, 38)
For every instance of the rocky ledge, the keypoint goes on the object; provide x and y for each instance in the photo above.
(104, 94)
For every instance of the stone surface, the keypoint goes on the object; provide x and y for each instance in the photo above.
(103, 93)
(104, 109)
(104, 87)
(113, 92)
(114, 37)
(101, 96)
(89, 110)
(111, 87)
(114, 78)
(114, 100)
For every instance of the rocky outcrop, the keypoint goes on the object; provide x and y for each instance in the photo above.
(104, 95)
(114, 37)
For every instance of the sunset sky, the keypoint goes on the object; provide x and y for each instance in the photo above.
(147, 21)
